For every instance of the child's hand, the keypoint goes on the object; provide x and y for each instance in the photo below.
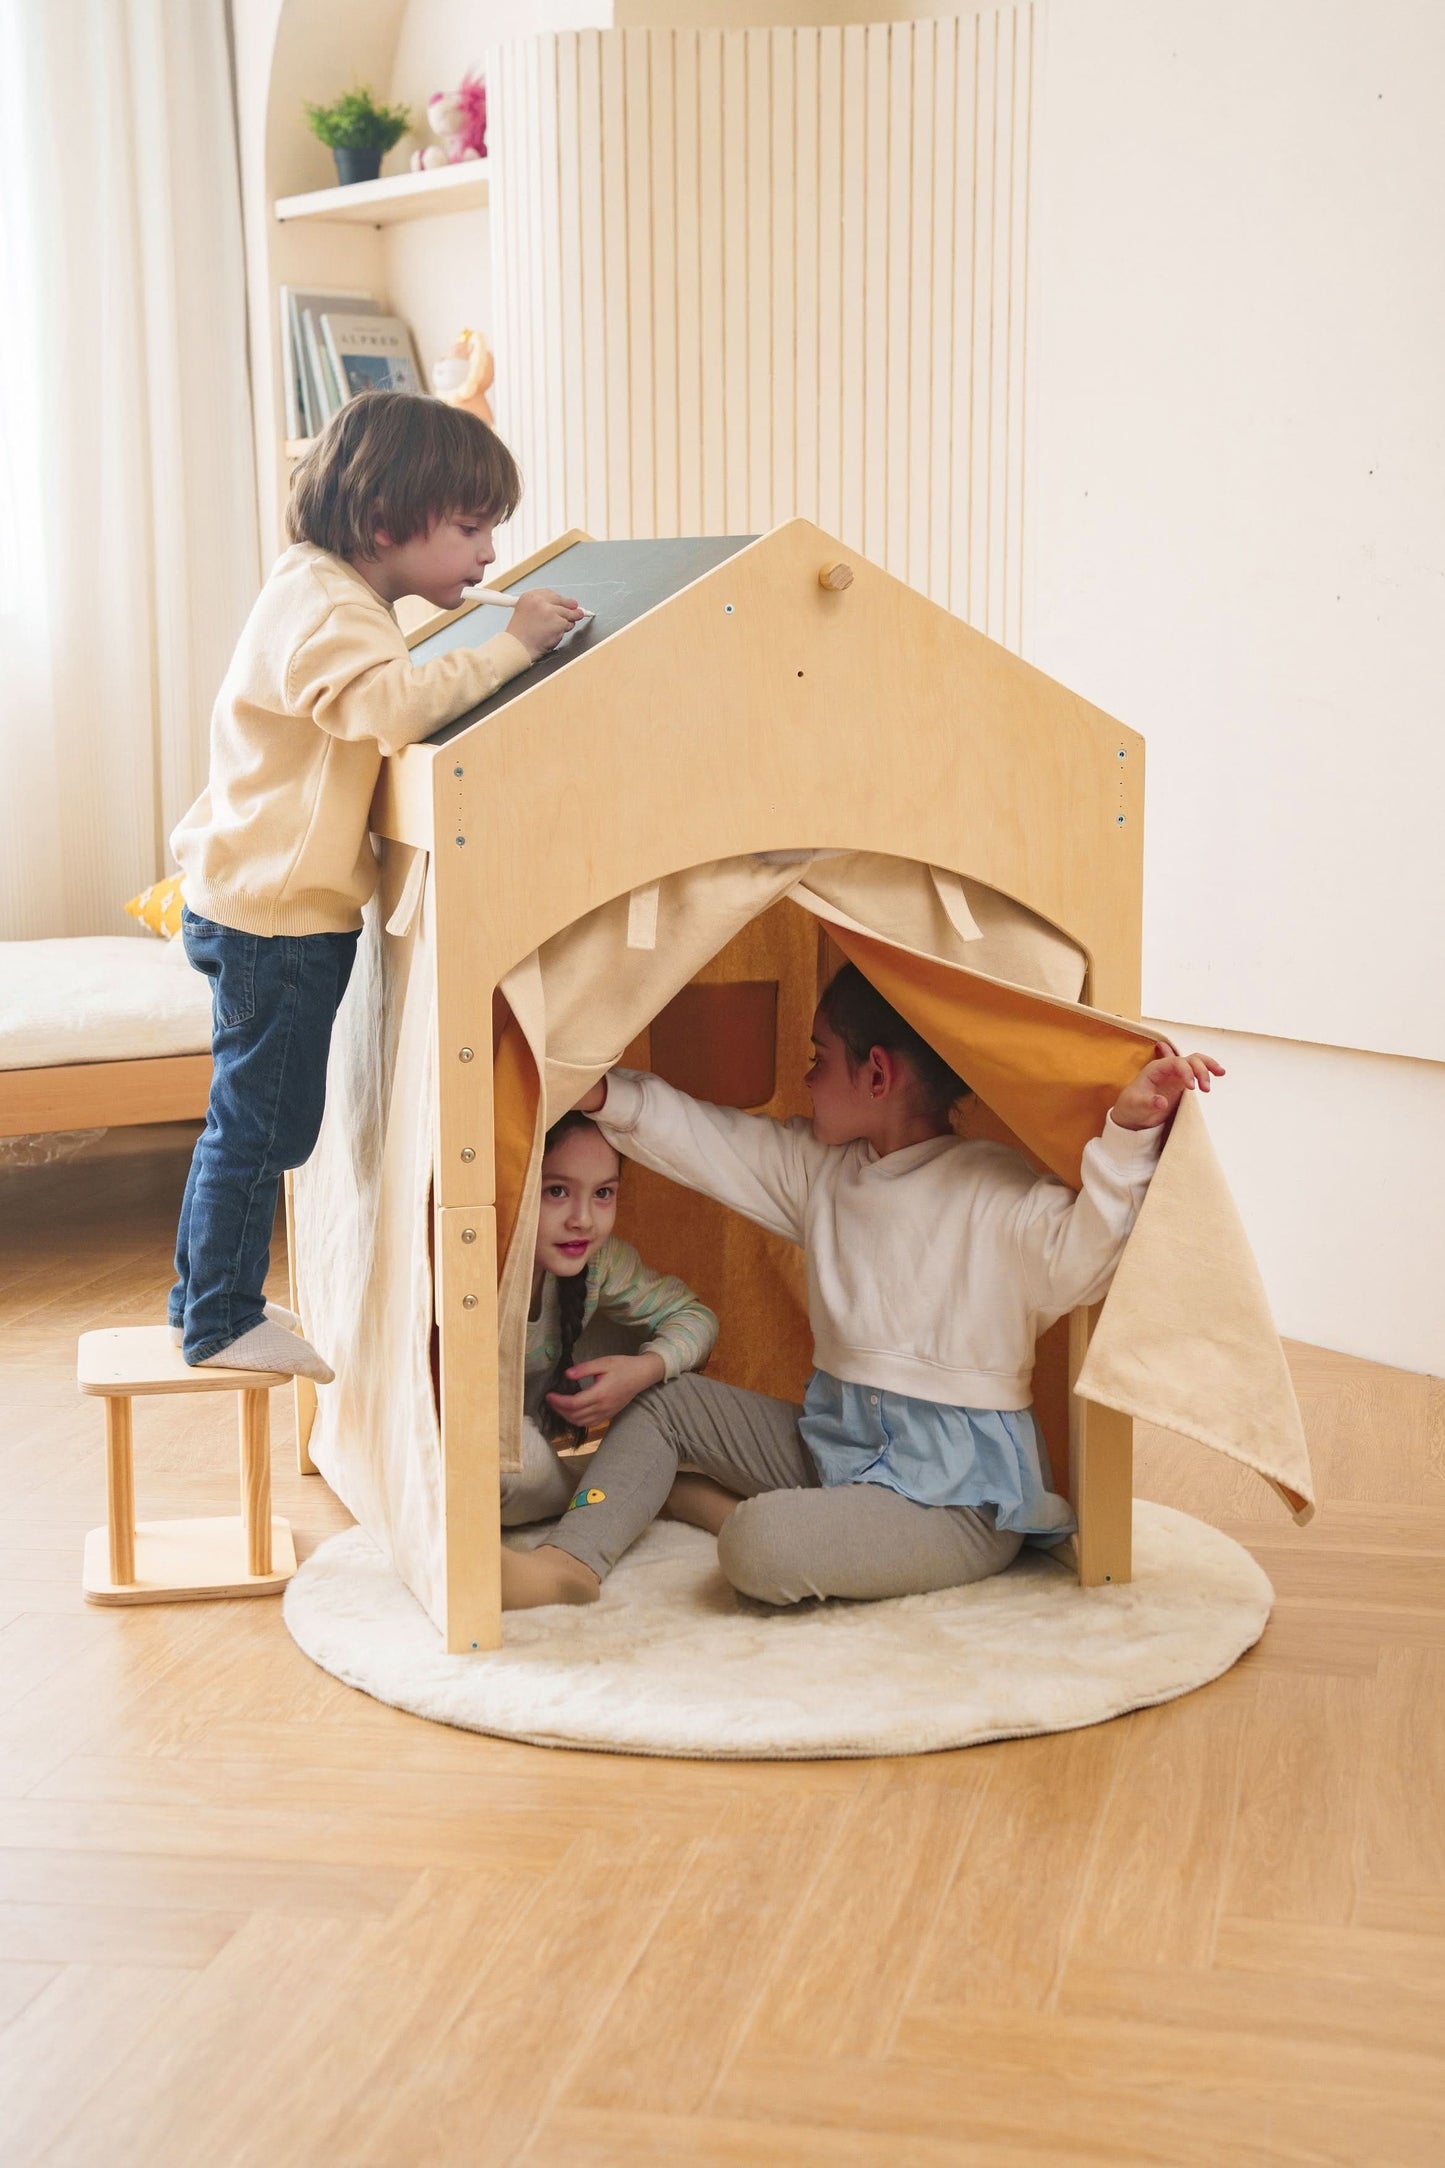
(595, 1100)
(609, 1382)
(1160, 1085)
(541, 618)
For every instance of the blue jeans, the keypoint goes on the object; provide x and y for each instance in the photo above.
(273, 1002)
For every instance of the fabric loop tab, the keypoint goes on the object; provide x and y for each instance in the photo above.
(642, 918)
(950, 892)
(408, 902)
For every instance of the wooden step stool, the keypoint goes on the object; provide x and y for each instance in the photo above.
(168, 1561)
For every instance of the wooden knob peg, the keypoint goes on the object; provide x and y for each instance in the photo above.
(836, 577)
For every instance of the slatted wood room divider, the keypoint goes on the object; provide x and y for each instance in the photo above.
(745, 274)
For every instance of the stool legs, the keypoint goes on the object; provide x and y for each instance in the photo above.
(217, 1555)
(120, 1489)
(255, 1413)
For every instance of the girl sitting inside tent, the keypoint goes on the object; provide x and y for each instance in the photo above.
(583, 1272)
(914, 1462)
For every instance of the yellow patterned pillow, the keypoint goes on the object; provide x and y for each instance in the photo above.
(159, 907)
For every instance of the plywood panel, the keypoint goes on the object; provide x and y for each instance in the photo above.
(104, 1094)
(764, 1343)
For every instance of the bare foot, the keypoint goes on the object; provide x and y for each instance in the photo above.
(700, 1502)
(531, 1579)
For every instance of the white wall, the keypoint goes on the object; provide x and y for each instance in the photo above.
(1235, 542)
(1337, 1165)
(1237, 447)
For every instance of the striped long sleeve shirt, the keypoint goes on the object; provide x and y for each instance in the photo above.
(623, 1289)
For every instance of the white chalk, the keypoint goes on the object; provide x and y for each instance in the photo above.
(509, 602)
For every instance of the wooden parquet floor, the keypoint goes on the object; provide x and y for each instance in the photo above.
(247, 1915)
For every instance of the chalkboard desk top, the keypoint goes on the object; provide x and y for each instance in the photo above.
(617, 581)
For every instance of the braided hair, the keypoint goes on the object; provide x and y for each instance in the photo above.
(571, 1310)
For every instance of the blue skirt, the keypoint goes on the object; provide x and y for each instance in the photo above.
(936, 1455)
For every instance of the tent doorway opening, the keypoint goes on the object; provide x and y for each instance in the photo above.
(738, 1034)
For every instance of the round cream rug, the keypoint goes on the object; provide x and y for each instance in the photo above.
(672, 1660)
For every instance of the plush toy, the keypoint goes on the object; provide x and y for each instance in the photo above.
(463, 376)
(459, 117)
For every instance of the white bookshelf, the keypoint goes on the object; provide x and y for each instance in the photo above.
(393, 200)
(419, 242)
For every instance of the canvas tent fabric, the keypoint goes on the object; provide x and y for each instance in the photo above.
(1185, 1339)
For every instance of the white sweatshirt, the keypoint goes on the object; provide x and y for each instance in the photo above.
(932, 1270)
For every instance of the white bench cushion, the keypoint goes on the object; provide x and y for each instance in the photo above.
(103, 997)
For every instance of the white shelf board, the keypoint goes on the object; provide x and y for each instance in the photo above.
(395, 198)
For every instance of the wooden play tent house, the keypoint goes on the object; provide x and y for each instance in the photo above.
(748, 766)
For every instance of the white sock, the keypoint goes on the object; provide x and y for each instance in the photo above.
(277, 1312)
(270, 1347)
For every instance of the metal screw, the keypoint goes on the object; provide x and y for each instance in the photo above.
(465, 1054)
(469, 1234)
(1122, 755)
(468, 1154)
(1119, 822)
(460, 841)
(474, 1644)
(469, 1302)
(457, 771)
(727, 609)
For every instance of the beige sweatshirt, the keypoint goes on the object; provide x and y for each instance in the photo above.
(321, 685)
(931, 1271)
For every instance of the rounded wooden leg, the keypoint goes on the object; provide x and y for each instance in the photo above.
(256, 1479)
(120, 1489)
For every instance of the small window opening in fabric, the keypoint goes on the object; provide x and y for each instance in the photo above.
(720, 1042)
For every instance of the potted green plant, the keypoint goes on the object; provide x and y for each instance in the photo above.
(358, 132)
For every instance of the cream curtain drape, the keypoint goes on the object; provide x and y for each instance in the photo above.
(128, 535)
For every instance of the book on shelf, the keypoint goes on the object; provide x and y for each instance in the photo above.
(312, 395)
(370, 353)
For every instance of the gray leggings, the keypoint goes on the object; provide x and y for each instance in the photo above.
(543, 1486)
(791, 1537)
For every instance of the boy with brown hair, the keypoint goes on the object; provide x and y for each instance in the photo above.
(398, 497)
